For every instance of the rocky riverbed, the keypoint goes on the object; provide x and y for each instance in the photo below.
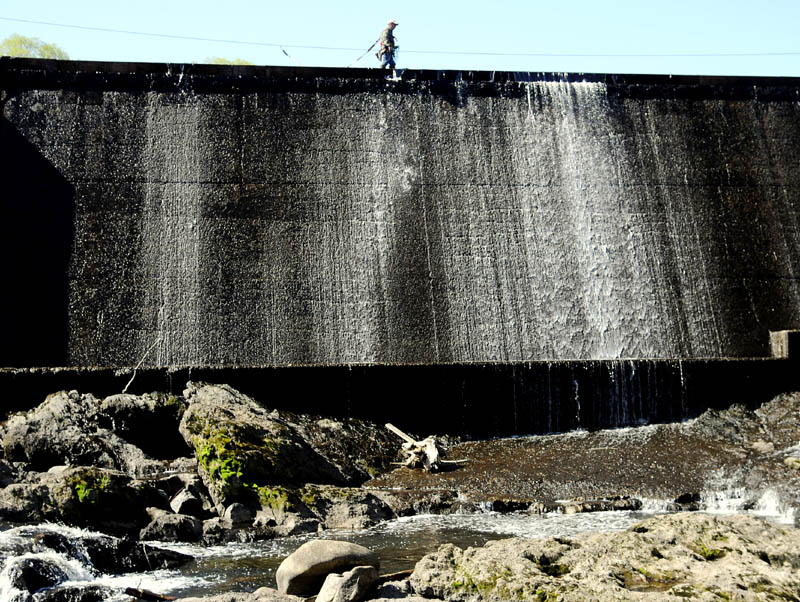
(214, 466)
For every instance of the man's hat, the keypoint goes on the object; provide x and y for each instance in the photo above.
(392, 21)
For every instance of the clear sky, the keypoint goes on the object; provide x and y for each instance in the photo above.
(732, 37)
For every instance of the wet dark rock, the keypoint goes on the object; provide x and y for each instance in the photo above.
(91, 593)
(507, 506)
(187, 502)
(410, 502)
(687, 502)
(111, 555)
(688, 498)
(8, 473)
(167, 526)
(304, 571)
(150, 422)
(605, 505)
(33, 574)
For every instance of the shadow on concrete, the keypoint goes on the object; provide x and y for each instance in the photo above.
(36, 232)
(474, 400)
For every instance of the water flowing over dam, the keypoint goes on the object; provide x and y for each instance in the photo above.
(202, 216)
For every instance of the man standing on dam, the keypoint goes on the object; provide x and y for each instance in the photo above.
(387, 41)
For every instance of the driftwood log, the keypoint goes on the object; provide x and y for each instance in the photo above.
(147, 595)
(427, 454)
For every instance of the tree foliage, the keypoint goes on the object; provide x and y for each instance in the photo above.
(17, 45)
(218, 60)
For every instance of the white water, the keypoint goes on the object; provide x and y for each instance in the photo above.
(18, 544)
(400, 543)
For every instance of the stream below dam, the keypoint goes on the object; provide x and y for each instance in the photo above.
(399, 543)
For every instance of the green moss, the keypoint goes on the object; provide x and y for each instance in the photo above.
(488, 587)
(308, 496)
(770, 589)
(708, 553)
(276, 498)
(226, 453)
(684, 591)
(89, 486)
(218, 454)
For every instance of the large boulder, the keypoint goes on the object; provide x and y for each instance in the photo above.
(351, 586)
(34, 573)
(69, 428)
(304, 571)
(680, 556)
(241, 447)
(244, 451)
(102, 499)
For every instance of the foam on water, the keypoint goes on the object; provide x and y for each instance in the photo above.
(539, 526)
(19, 544)
(736, 500)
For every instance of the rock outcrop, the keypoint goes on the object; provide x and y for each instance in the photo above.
(263, 459)
(120, 465)
(99, 498)
(699, 556)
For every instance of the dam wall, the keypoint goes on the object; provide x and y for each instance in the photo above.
(201, 215)
(462, 239)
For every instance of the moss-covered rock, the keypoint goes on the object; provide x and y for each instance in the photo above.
(246, 453)
(241, 447)
(102, 499)
(96, 498)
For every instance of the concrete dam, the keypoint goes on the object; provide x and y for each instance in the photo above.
(528, 252)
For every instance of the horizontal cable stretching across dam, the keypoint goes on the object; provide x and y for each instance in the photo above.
(443, 52)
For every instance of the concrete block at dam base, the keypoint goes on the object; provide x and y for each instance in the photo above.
(785, 343)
